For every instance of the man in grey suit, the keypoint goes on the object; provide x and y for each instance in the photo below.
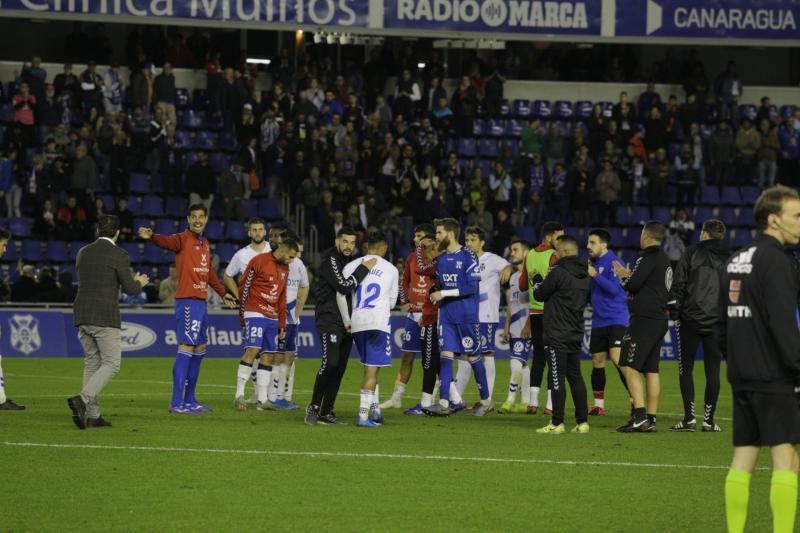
(102, 269)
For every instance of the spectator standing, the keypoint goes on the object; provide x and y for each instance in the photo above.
(91, 88)
(72, 220)
(767, 154)
(112, 90)
(125, 219)
(607, 188)
(748, 141)
(554, 148)
(648, 100)
(168, 287)
(465, 106)
(656, 130)
(165, 94)
(10, 190)
(789, 140)
(44, 226)
(531, 138)
(659, 176)
(120, 163)
(201, 181)
(25, 114)
(232, 188)
(687, 174)
(728, 88)
(406, 96)
(67, 87)
(84, 176)
(722, 149)
(140, 92)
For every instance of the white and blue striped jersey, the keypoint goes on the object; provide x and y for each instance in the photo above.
(298, 278)
(518, 303)
(490, 267)
(375, 297)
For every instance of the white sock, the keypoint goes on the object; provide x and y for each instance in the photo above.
(513, 382)
(242, 377)
(549, 400)
(364, 404)
(436, 388)
(263, 382)
(427, 399)
(525, 387)
(463, 374)
(376, 405)
(455, 396)
(287, 394)
(399, 390)
(255, 372)
(488, 361)
(534, 399)
(3, 398)
(278, 375)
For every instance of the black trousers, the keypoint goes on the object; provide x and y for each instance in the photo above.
(430, 358)
(336, 346)
(688, 338)
(539, 356)
(565, 367)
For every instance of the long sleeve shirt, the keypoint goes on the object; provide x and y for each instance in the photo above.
(193, 261)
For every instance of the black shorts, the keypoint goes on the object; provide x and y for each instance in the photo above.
(765, 419)
(641, 344)
(603, 339)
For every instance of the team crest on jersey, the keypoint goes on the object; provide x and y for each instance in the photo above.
(734, 290)
(25, 333)
(518, 347)
(203, 260)
(421, 282)
(467, 343)
(333, 338)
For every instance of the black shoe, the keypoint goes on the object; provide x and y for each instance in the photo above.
(330, 419)
(644, 427)
(685, 426)
(78, 407)
(627, 427)
(312, 415)
(9, 405)
(98, 422)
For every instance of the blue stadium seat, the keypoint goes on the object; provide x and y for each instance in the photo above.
(154, 255)
(134, 251)
(703, 213)
(505, 109)
(616, 236)
(235, 231)
(152, 206)
(527, 233)
(200, 99)
(185, 139)
(583, 109)
(141, 222)
(20, 227)
(182, 98)
(268, 208)
(205, 140)
(250, 208)
(514, 128)
(730, 196)
(56, 251)
(661, 214)
(134, 206)
(225, 251)
(787, 110)
(563, 109)
(495, 128)
(640, 215)
(226, 142)
(522, 108)
(487, 148)
(193, 119)
(624, 216)
(31, 251)
(710, 196)
(513, 144)
(485, 165)
(12, 254)
(742, 238)
(214, 122)
(706, 130)
(214, 230)
(165, 226)
(632, 238)
(6, 113)
(477, 127)
(748, 111)
(74, 248)
(219, 161)
(750, 195)
(728, 216)
(140, 182)
(608, 108)
(176, 206)
(773, 113)
(466, 147)
(542, 109)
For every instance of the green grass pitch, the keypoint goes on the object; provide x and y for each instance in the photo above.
(267, 471)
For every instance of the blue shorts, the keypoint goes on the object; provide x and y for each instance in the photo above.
(191, 317)
(261, 333)
(374, 347)
(488, 338)
(462, 339)
(289, 343)
(412, 337)
(520, 349)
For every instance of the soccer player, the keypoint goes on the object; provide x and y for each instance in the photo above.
(336, 340)
(534, 270)
(694, 306)
(262, 311)
(414, 293)
(609, 315)
(760, 289)
(459, 328)
(280, 394)
(649, 283)
(195, 274)
(257, 231)
(516, 317)
(494, 270)
(566, 288)
(5, 403)
(372, 304)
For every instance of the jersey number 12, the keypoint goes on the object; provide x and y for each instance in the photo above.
(366, 296)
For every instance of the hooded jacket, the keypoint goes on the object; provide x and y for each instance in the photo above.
(694, 296)
(566, 291)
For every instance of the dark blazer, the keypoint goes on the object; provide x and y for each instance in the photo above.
(102, 269)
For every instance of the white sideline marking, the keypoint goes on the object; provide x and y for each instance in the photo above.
(365, 455)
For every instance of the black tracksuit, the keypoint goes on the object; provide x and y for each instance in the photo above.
(335, 339)
(694, 305)
(762, 343)
(566, 292)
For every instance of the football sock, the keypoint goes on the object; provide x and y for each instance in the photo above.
(278, 375)
(534, 399)
(599, 386)
(488, 361)
(446, 373)
(651, 418)
(462, 376)
(399, 390)
(263, 383)
(455, 397)
(376, 404)
(639, 414)
(783, 500)
(549, 404)
(427, 399)
(513, 382)
(192, 376)
(364, 404)
(479, 369)
(242, 377)
(254, 373)
(737, 495)
(180, 370)
(436, 388)
(2, 384)
(708, 413)
(525, 387)
(287, 393)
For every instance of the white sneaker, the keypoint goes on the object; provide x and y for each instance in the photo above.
(252, 400)
(240, 404)
(391, 403)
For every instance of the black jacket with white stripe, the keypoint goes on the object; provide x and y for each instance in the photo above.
(331, 281)
(649, 284)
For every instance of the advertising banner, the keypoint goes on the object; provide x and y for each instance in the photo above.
(31, 333)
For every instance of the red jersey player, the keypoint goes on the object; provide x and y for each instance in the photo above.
(195, 275)
(262, 311)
